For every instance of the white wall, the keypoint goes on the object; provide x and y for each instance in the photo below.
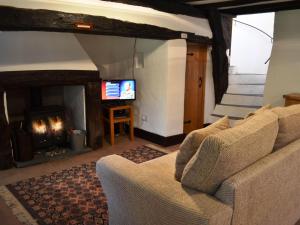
(112, 55)
(175, 84)
(152, 87)
(283, 76)
(209, 101)
(161, 86)
(74, 101)
(42, 50)
(250, 48)
(119, 11)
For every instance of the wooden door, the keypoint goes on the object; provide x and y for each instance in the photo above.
(194, 87)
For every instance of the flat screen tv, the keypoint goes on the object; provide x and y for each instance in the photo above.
(118, 90)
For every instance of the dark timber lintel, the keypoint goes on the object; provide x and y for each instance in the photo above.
(13, 79)
(18, 19)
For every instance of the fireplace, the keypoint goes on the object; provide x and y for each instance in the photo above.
(47, 118)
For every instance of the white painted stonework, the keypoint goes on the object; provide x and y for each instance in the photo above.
(42, 51)
(283, 76)
(250, 48)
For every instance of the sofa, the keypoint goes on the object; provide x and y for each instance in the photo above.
(266, 191)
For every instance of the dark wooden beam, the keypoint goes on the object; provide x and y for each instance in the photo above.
(262, 8)
(17, 79)
(93, 114)
(17, 19)
(219, 57)
(169, 6)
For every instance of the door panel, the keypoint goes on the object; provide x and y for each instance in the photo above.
(194, 87)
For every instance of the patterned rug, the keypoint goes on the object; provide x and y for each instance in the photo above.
(69, 197)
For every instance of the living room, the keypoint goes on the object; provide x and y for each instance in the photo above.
(56, 56)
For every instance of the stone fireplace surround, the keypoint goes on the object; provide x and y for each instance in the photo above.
(48, 78)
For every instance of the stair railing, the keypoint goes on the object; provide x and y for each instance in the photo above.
(260, 30)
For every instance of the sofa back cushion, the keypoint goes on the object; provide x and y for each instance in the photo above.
(289, 125)
(268, 191)
(192, 142)
(230, 151)
(247, 117)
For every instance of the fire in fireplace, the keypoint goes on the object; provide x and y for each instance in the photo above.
(47, 128)
(56, 124)
(39, 127)
(53, 124)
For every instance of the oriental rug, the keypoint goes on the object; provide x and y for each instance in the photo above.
(69, 197)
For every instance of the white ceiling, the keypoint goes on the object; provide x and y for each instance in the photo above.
(251, 6)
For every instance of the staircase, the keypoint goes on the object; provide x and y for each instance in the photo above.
(251, 45)
(244, 95)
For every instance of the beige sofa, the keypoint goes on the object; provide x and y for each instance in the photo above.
(265, 193)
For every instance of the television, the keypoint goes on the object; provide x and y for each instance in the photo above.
(118, 90)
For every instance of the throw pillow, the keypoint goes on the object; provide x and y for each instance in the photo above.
(289, 125)
(260, 110)
(230, 151)
(192, 142)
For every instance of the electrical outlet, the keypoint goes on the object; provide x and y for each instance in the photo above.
(184, 35)
(144, 118)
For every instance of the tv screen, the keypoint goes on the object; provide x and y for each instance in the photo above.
(118, 90)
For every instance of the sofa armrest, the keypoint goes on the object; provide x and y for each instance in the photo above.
(137, 196)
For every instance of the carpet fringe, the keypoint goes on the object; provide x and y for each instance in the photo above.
(17, 209)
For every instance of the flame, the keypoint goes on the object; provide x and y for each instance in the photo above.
(56, 123)
(39, 126)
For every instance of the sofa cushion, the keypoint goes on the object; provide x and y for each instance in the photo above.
(260, 110)
(192, 142)
(289, 125)
(229, 151)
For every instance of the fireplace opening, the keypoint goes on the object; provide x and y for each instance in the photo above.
(47, 115)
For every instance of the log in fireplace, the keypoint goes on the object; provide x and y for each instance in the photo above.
(47, 124)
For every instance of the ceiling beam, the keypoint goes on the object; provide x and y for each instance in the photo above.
(18, 19)
(262, 8)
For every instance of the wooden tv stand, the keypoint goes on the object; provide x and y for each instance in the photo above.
(110, 116)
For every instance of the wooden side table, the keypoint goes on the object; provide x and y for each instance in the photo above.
(109, 116)
(292, 99)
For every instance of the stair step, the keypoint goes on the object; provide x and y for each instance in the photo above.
(233, 111)
(213, 118)
(246, 89)
(247, 79)
(251, 74)
(242, 100)
(241, 106)
(230, 117)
